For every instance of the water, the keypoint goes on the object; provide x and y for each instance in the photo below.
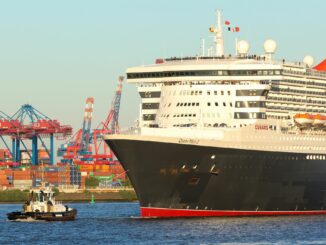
(116, 223)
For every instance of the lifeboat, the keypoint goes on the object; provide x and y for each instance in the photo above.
(304, 119)
(319, 120)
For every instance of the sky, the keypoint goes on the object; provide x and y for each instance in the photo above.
(55, 54)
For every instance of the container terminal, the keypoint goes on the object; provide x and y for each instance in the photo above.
(27, 150)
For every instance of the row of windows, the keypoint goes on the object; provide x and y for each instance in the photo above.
(308, 73)
(252, 92)
(184, 115)
(250, 115)
(216, 92)
(309, 101)
(305, 92)
(213, 115)
(278, 117)
(149, 106)
(309, 83)
(315, 157)
(208, 104)
(287, 108)
(199, 92)
(148, 94)
(216, 104)
(185, 125)
(250, 104)
(203, 73)
(188, 104)
(149, 117)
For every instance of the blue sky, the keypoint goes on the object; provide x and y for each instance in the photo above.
(54, 54)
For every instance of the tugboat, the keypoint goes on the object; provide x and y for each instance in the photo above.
(43, 207)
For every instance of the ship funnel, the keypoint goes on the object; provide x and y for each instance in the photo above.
(270, 48)
(308, 61)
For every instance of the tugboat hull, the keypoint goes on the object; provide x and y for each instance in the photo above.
(48, 216)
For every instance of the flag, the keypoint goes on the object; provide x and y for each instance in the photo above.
(227, 23)
(236, 29)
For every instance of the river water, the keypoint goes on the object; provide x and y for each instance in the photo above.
(119, 223)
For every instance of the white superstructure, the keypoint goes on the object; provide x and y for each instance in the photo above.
(206, 92)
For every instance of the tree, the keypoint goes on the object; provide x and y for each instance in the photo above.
(92, 182)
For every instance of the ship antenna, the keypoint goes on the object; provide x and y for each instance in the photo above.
(219, 41)
(202, 47)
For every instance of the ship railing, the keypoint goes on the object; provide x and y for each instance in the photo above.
(307, 73)
(130, 131)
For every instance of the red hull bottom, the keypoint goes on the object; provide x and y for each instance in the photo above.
(171, 213)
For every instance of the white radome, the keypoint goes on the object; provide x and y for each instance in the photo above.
(243, 47)
(308, 60)
(270, 46)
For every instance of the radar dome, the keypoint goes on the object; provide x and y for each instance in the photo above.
(243, 47)
(270, 46)
(308, 60)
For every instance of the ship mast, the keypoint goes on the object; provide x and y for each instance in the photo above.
(219, 41)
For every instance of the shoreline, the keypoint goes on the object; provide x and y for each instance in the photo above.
(76, 197)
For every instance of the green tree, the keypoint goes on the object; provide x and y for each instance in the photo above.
(92, 182)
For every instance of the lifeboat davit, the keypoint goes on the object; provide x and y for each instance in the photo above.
(304, 119)
(319, 120)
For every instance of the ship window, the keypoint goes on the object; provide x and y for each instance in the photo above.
(208, 104)
(208, 92)
(193, 104)
(189, 104)
(224, 104)
(197, 104)
(194, 115)
(222, 92)
(200, 92)
(216, 104)
(231, 104)
(229, 93)
(215, 92)
(178, 104)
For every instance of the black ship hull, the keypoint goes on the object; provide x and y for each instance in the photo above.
(43, 216)
(174, 179)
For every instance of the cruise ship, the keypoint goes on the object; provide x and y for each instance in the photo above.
(223, 135)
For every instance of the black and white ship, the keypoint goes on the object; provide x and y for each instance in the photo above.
(219, 135)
